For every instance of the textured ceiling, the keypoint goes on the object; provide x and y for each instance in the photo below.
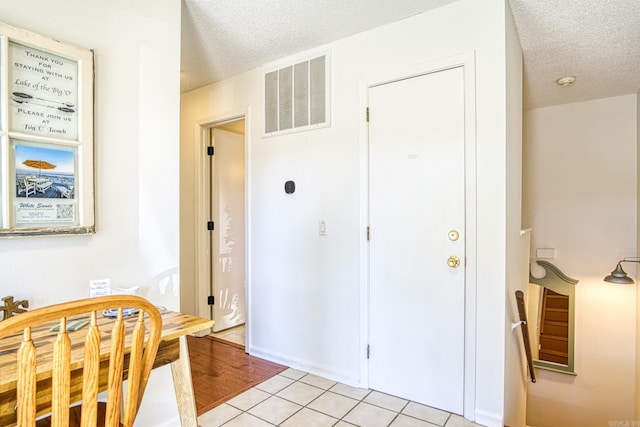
(222, 38)
(598, 41)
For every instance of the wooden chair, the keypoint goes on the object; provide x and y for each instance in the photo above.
(35, 360)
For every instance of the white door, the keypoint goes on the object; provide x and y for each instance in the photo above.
(417, 222)
(228, 236)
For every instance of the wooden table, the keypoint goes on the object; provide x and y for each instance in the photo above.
(172, 350)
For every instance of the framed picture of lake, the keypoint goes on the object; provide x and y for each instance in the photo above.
(46, 136)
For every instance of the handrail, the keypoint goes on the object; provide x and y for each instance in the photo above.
(525, 333)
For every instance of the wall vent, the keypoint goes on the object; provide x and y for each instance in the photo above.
(296, 96)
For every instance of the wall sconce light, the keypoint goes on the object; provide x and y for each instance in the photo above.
(619, 275)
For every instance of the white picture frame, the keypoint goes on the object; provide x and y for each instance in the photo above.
(46, 136)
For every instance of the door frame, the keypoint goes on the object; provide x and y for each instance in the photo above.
(202, 202)
(467, 62)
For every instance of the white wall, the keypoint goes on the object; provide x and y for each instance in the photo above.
(137, 61)
(637, 376)
(579, 160)
(305, 290)
(517, 254)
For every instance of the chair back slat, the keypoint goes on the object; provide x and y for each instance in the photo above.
(26, 392)
(61, 380)
(91, 374)
(116, 368)
(54, 355)
(136, 371)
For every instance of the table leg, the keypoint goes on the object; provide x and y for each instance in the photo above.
(183, 385)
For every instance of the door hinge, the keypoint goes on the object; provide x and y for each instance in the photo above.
(367, 113)
(210, 299)
(210, 150)
(210, 225)
(368, 349)
(368, 233)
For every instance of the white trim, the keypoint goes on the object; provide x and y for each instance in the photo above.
(488, 419)
(467, 61)
(172, 422)
(201, 241)
(471, 233)
(201, 249)
(310, 367)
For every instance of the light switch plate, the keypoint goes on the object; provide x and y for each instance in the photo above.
(545, 253)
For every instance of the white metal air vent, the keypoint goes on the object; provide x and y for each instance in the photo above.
(297, 97)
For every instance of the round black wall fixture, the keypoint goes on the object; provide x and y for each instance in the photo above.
(289, 187)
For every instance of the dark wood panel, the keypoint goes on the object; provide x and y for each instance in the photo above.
(552, 356)
(557, 315)
(222, 370)
(559, 344)
(557, 301)
(555, 329)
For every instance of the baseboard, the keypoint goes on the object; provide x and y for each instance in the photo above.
(173, 422)
(488, 419)
(305, 366)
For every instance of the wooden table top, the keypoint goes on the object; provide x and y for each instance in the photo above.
(174, 325)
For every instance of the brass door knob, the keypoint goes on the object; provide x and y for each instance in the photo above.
(453, 261)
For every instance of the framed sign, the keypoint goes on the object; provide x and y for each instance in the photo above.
(46, 136)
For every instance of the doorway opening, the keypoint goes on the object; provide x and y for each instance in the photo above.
(222, 249)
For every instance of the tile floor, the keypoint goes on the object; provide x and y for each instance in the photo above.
(297, 399)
